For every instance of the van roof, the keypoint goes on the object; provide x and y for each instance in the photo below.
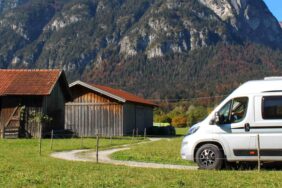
(259, 86)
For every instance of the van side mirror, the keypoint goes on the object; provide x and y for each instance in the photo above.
(216, 119)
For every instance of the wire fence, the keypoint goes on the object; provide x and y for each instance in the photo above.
(56, 135)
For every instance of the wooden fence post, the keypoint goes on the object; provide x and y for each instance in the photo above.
(111, 138)
(97, 148)
(258, 151)
(137, 132)
(40, 138)
(3, 132)
(52, 136)
(145, 132)
(133, 134)
(81, 142)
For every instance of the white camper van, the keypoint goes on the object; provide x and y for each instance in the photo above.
(230, 133)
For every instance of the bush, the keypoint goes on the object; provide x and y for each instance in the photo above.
(196, 114)
(162, 119)
(161, 131)
(179, 121)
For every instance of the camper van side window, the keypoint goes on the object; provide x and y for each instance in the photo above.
(234, 111)
(272, 107)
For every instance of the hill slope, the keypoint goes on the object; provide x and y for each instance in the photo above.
(142, 44)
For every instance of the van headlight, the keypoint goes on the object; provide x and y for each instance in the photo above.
(193, 129)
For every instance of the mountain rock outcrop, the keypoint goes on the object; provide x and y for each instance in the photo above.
(10, 4)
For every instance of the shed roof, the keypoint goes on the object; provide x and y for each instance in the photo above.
(116, 94)
(31, 82)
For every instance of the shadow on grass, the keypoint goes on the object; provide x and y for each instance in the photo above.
(247, 166)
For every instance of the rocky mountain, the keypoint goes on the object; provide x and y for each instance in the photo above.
(280, 24)
(10, 4)
(119, 42)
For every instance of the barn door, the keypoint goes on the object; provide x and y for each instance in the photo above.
(13, 120)
(10, 117)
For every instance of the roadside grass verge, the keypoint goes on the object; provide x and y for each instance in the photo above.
(165, 151)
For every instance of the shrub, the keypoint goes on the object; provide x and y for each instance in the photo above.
(161, 131)
(162, 119)
(196, 114)
(179, 121)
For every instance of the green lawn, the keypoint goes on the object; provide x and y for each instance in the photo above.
(166, 151)
(21, 166)
(181, 131)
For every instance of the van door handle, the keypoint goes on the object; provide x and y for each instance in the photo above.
(247, 127)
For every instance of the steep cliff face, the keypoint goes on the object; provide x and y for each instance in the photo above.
(174, 27)
(81, 35)
(10, 4)
(251, 19)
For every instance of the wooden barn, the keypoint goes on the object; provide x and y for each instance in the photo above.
(23, 92)
(106, 111)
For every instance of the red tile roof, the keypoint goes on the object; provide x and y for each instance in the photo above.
(125, 95)
(27, 82)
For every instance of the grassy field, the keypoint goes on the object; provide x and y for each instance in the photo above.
(21, 166)
(181, 131)
(166, 151)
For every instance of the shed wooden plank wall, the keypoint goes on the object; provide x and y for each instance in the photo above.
(137, 117)
(129, 118)
(89, 119)
(91, 112)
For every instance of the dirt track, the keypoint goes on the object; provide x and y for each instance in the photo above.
(104, 157)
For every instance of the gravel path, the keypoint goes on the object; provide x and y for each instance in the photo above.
(104, 157)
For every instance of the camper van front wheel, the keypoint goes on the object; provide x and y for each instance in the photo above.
(209, 157)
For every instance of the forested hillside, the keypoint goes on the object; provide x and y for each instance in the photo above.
(209, 71)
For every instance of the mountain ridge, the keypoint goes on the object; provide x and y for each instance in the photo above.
(106, 41)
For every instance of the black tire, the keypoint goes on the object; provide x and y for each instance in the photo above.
(209, 157)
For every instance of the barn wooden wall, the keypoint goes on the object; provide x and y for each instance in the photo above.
(88, 119)
(8, 106)
(54, 106)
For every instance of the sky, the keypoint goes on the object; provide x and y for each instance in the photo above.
(275, 7)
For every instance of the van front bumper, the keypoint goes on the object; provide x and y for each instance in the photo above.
(187, 150)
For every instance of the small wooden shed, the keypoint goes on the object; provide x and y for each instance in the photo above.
(106, 111)
(25, 91)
